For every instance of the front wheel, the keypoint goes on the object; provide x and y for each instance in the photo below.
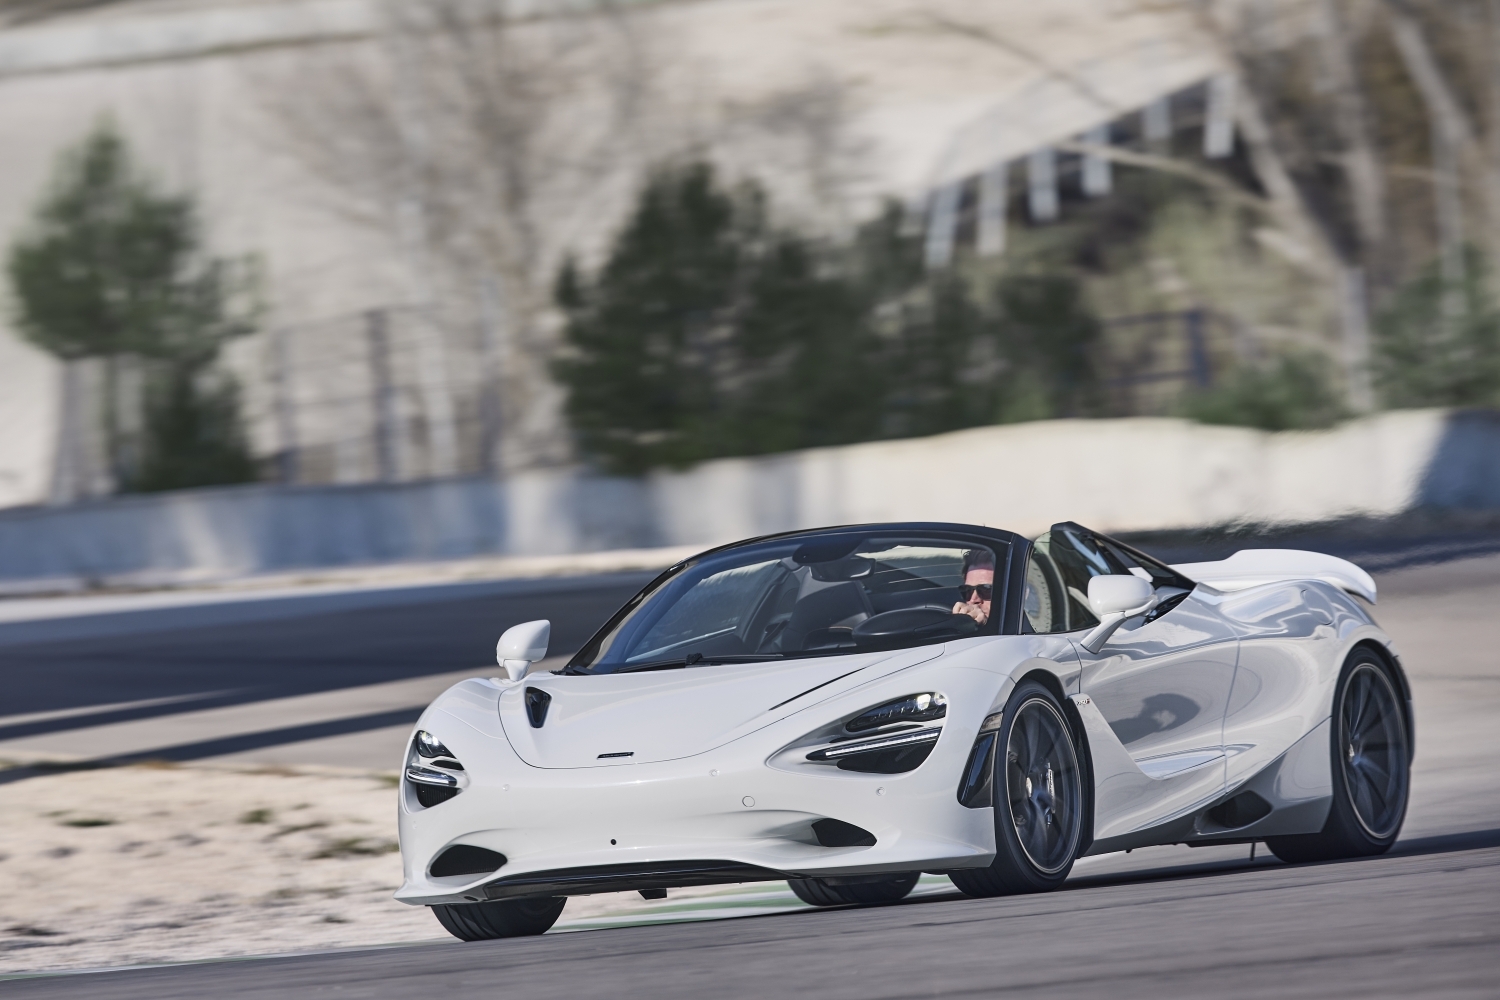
(816, 892)
(501, 918)
(1038, 795)
(1371, 769)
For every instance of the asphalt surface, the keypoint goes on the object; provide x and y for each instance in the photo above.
(1423, 920)
(241, 679)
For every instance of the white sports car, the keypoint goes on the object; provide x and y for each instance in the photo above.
(850, 707)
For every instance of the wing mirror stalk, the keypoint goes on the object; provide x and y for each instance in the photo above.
(521, 646)
(1115, 600)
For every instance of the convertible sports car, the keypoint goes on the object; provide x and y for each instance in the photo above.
(850, 707)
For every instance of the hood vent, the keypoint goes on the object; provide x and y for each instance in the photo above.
(537, 703)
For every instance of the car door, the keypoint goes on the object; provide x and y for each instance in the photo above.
(1161, 685)
(1288, 666)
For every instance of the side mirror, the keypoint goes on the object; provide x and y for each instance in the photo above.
(521, 646)
(1114, 599)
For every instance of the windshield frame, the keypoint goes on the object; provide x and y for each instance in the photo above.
(1006, 601)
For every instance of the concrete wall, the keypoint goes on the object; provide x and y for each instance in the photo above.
(1115, 475)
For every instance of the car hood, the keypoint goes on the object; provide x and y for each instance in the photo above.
(618, 719)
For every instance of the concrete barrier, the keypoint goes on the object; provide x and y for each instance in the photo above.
(1116, 475)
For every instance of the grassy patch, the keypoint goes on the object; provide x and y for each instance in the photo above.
(31, 930)
(88, 821)
(299, 828)
(354, 847)
(256, 816)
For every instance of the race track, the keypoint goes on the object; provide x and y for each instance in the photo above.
(1165, 922)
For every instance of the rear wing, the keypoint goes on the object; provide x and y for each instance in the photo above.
(1254, 567)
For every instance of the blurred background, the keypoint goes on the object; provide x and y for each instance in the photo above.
(531, 264)
(337, 336)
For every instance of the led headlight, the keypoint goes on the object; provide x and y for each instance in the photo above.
(429, 770)
(429, 745)
(913, 708)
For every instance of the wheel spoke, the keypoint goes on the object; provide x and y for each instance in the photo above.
(1360, 792)
(1049, 751)
(1374, 719)
(1374, 771)
(1377, 790)
(1033, 736)
(1354, 711)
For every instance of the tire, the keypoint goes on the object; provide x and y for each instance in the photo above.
(816, 892)
(1371, 762)
(501, 918)
(1038, 791)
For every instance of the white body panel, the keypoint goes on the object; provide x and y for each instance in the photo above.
(1161, 690)
(1224, 694)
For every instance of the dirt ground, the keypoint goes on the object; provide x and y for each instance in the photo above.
(151, 864)
(147, 864)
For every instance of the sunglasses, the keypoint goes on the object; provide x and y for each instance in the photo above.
(966, 592)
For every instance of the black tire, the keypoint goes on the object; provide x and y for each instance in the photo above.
(816, 892)
(1038, 791)
(1371, 761)
(501, 918)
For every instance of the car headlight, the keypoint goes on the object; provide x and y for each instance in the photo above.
(432, 770)
(429, 745)
(913, 708)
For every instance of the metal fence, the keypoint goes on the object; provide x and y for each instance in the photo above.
(1150, 360)
(381, 395)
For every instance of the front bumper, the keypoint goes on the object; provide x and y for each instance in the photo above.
(726, 815)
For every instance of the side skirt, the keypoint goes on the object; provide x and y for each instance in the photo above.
(1290, 795)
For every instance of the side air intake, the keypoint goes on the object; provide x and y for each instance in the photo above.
(464, 859)
(1240, 811)
(837, 833)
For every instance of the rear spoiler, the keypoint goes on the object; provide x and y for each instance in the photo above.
(1254, 567)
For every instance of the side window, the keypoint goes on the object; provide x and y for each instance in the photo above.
(1057, 582)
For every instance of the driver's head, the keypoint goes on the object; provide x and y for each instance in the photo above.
(979, 579)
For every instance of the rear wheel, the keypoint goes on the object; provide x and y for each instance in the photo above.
(1371, 769)
(1038, 796)
(501, 918)
(816, 892)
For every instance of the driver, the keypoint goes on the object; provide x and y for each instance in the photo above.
(978, 588)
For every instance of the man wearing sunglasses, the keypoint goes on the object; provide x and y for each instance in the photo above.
(978, 587)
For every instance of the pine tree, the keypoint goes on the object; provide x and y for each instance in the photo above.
(111, 268)
(711, 332)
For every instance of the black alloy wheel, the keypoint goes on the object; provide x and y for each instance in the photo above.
(501, 918)
(817, 892)
(1371, 764)
(1039, 800)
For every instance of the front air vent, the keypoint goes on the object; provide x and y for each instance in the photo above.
(837, 833)
(431, 795)
(464, 859)
(974, 791)
(895, 753)
(537, 703)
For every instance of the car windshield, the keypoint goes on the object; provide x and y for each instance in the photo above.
(814, 595)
